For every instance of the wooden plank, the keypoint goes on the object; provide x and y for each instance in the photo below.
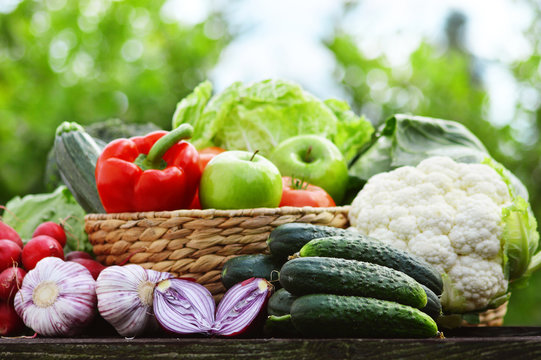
(478, 343)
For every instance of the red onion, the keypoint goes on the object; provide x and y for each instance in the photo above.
(185, 307)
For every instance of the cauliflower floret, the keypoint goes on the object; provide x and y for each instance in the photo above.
(480, 281)
(449, 214)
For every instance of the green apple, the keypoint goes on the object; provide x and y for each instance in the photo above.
(240, 180)
(314, 159)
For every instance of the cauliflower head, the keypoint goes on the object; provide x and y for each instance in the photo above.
(464, 219)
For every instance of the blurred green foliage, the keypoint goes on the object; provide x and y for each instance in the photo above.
(444, 81)
(87, 61)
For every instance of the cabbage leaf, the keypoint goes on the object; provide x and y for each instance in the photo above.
(259, 116)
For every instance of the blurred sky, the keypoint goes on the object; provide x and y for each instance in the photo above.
(283, 39)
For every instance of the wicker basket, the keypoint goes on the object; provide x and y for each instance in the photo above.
(195, 243)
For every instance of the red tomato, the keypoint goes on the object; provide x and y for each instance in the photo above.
(298, 193)
(206, 154)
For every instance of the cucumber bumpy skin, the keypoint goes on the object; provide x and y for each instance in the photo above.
(364, 248)
(328, 315)
(312, 275)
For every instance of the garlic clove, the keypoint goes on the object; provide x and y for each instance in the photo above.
(183, 306)
(57, 298)
(240, 306)
(125, 298)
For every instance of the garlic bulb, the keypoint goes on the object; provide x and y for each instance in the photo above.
(57, 298)
(125, 298)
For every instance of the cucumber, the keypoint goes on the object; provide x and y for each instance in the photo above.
(433, 304)
(280, 303)
(328, 315)
(76, 154)
(280, 326)
(287, 239)
(311, 275)
(364, 248)
(243, 267)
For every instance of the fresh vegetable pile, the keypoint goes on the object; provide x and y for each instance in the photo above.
(438, 227)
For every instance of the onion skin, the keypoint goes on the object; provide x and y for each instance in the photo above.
(119, 302)
(74, 306)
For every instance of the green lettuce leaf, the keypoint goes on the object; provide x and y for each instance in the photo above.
(26, 213)
(190, 108)
(261, 115)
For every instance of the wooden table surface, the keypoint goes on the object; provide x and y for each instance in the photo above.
(467, 343)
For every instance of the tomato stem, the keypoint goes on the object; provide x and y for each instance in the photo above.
(298, 184)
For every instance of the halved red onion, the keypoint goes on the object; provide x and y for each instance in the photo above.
(183, 306)
(240, 306)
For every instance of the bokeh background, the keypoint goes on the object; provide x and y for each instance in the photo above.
(91, 60)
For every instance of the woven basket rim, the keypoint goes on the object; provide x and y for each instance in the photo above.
(211, 213)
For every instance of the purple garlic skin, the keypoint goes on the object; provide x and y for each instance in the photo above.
(57, 298)
(125, 297)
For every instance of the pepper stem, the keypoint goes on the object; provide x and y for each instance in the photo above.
(154, 160)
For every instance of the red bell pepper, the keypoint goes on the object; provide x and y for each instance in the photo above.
(149, 173)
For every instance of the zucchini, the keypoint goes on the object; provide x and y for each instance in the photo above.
(328, 315)
(280, 303)
(364, 248)
(312, 275)
(76, 155)
(240, 268)
(287, 239)
(433, 304)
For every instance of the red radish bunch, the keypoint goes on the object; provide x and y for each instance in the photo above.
(53, 230)
(48, 239)
(40, 247)
(10, 282)
(8, 233)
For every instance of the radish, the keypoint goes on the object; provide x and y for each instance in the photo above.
(7, 232)
(93, 266)
(40, 247)
(10, 322)
(10, 282)
(53, 230)
(78, 255)
(10, 253)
